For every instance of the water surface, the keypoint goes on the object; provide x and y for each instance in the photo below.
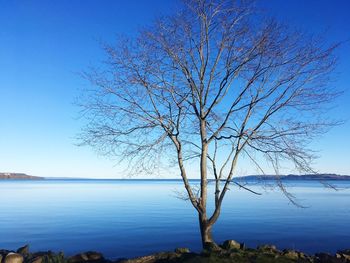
(131, 218)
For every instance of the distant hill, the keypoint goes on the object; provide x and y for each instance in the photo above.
(294, 177)
(19, 176)
(298, 177)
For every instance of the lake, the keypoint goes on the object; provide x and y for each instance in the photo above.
(128, 218)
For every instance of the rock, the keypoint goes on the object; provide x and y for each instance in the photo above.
(158, 257)
(325, 258)
(0, 258)
(45, 257)
(343, 254)
(51, 257)
(291, 254)
(13, 258)
(92, 255)
(231, 244)
(347, 257)
(77, 258)
(151, 258)
(182, 250)
(211, 247)
(87, 256)
(268, 248)
(302, 255)
(38, 259)
(23, 250)
(84, 256)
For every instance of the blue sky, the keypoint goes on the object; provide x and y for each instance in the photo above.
(44, 44)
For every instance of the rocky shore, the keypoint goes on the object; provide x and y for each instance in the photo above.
(229, 251)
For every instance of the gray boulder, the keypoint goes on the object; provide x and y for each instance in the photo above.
(13, 258)
(291, 254)
(182, 250)
(343, 254)
(86, 257)
(267, 248)
(231, 244)
(92, 255)
(211, 247)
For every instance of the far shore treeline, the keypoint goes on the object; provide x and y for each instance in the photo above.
(320, 177)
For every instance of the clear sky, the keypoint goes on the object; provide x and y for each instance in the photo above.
(45, 43)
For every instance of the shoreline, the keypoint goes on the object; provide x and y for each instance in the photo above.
(285, 177)
(229, 251)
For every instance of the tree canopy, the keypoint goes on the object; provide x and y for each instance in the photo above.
(213, 82)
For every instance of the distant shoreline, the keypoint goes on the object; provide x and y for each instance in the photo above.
(19, 176)
(290, 177)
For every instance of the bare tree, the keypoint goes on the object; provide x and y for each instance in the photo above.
(205, 86)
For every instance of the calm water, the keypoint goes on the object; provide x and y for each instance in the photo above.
(131, 218)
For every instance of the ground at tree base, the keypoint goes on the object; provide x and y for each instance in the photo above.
(230, 251)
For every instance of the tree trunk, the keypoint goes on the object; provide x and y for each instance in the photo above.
(206, 234)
